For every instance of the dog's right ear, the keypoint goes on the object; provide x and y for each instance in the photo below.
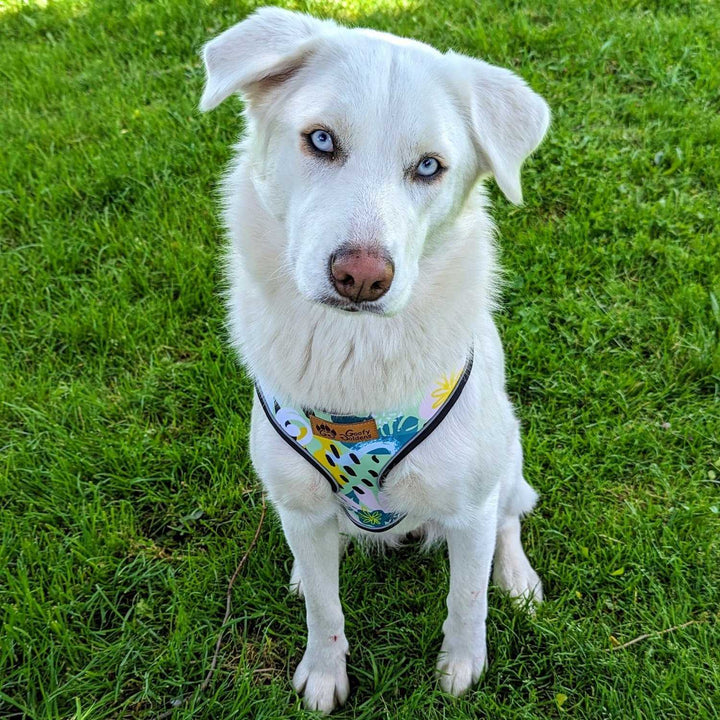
(258, 53)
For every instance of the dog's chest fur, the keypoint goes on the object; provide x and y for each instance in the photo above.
(440, 479)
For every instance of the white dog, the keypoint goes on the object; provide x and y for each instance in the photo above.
(362, 274)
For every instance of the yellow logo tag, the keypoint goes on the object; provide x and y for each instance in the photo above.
(344, 432)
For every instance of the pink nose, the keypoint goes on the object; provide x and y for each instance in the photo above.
(361, 275)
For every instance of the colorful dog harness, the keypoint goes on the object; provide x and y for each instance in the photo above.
(354, 453)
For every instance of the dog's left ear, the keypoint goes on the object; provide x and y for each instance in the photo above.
(508, 120)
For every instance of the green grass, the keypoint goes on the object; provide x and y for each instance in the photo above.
(126, 495)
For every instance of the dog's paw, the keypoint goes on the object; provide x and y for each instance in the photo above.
(296, 587)
(458, 673)
(325, 684)
(520, 581)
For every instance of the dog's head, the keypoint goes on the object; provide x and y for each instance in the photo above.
(364, 146)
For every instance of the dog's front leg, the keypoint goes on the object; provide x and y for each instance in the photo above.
(463, 656)
(321, 673)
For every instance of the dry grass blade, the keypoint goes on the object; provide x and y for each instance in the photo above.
(645, 636)
(228, 599)
(228, 609)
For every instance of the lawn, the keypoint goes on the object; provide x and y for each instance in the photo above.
(126, 494)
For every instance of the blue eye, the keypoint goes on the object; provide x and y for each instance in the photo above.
(322, 140)
(428, 167)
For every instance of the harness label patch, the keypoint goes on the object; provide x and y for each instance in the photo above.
(344, 432)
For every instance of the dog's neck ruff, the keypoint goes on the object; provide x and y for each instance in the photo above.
(355, 453)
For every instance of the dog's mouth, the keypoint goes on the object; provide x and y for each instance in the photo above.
(352, 307)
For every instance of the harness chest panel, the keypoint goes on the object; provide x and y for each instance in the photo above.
(355, 453)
